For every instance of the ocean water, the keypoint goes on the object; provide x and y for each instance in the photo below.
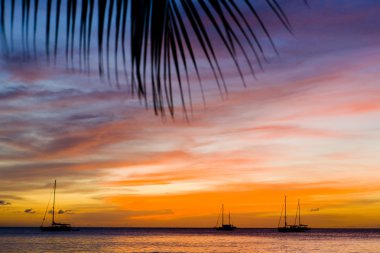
(189, 240)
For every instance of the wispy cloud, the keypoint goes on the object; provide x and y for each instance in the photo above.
(4, 203)
(61, 211)
(29, 211)
(13, 197)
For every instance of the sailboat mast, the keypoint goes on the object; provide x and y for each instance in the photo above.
(55, 185)
(229, 218)
(285, 212)
(222, 214)
(299, 213)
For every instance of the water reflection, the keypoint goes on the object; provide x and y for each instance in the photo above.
(189, 240)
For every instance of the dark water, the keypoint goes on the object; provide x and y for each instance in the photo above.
(189, 240)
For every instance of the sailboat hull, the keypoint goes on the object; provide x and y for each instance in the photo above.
(56, 228)
(293, 229)
(226, 228)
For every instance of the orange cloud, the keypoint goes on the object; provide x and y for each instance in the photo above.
(253, 204)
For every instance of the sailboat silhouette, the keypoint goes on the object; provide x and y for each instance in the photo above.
(54, 225)
(225, 227)
(296, 227)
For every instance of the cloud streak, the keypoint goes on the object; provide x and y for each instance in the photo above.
(4, 203)
(29, 211)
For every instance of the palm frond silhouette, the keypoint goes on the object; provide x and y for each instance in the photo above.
(151, 45)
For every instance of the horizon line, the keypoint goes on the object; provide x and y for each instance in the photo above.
(125, 227)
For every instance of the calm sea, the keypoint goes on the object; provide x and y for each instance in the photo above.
(188, 240)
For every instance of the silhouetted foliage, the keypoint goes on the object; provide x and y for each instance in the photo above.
(164, 39)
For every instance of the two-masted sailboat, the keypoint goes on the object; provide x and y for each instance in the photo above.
(296, 227)
(54, 225)
(225, 227)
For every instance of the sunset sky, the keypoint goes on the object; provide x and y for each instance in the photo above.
(307, 127)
